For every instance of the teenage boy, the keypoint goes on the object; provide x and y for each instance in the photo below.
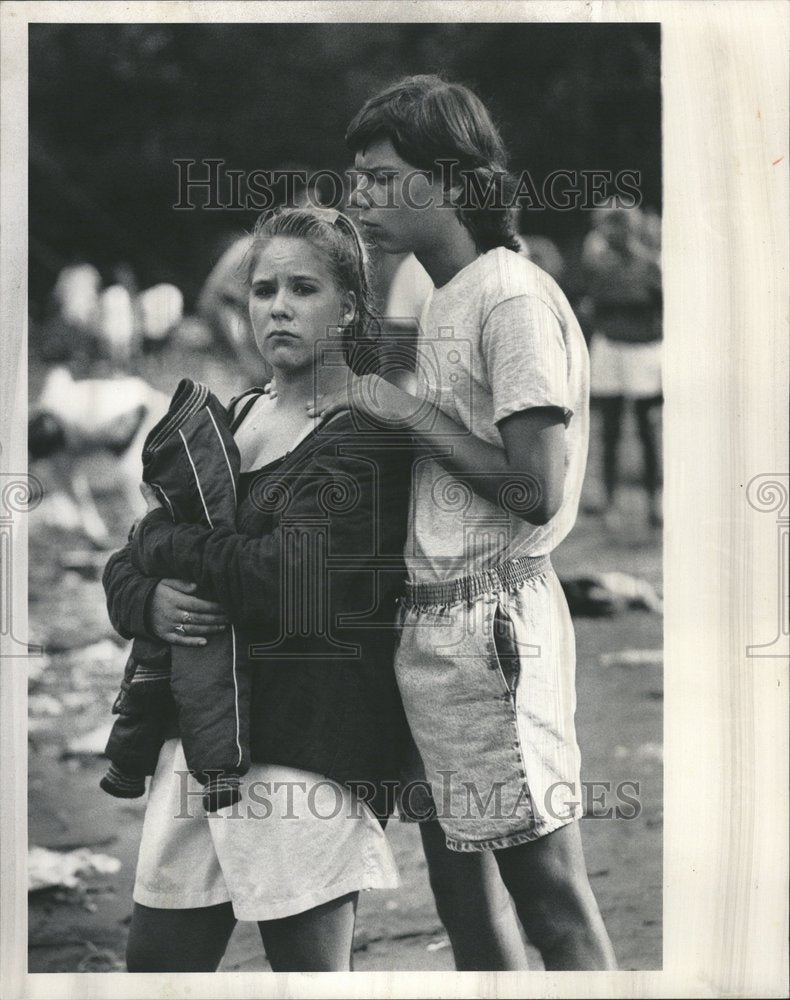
(486, 659)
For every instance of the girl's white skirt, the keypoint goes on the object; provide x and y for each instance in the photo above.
(295, 840)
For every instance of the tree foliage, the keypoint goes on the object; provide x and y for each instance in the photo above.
(112, 105)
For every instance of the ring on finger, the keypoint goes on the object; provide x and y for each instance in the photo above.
(181, 629)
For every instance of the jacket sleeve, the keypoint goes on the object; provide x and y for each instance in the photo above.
(128, 593)
(325, 539)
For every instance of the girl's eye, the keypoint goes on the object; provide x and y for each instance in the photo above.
(262, 291)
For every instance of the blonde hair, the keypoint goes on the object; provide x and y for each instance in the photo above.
(334, 235)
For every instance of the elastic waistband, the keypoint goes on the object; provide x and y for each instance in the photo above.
(505, 576)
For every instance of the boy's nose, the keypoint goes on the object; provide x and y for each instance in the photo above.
(359, 196)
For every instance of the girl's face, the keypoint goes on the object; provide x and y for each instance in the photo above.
(294, 302)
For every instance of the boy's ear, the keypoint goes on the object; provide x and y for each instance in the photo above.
(453, 194)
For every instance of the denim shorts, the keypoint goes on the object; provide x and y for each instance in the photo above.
(486, 670)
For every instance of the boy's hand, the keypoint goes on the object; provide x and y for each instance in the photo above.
(371, 396)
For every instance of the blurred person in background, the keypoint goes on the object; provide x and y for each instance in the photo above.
(102, 331)
(90, 432)
(622, 265)
(223, 302)
(544, 252)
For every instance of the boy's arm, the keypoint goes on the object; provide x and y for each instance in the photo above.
(525, 477)
(527, 369)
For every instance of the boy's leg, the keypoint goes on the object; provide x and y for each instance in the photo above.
(318, 940)
(547, 879)
(190, 940)
(611, 408)
(473, 905)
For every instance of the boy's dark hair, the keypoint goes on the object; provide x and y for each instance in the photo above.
(427, 120)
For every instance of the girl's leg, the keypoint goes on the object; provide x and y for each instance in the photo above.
(611, 408)
(473, 905)
(318, 940)
(192, 940)
(547, 879)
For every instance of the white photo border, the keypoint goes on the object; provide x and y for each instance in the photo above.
(725, 211)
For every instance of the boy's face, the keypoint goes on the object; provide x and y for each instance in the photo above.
(399, 204)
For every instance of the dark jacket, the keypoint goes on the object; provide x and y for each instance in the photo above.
(310, 576)
(191, 460)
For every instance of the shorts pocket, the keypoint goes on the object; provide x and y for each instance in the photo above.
(506, 650)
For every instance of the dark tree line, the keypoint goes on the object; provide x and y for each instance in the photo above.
(112, 105)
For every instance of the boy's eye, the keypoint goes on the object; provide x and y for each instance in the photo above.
(302, 289)
(363, 178)
(262, 291)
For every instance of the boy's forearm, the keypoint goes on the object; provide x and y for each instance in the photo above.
(482, 466)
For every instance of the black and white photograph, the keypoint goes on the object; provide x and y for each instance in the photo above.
(358, 401)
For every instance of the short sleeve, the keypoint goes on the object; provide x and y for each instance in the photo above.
(526, 357)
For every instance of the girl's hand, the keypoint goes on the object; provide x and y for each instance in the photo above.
(150, 497)
(270, 389)
(371, 396)
(181, 619)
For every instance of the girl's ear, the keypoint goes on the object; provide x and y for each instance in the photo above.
(349, 308)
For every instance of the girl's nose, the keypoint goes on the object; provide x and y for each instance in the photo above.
(280, 303)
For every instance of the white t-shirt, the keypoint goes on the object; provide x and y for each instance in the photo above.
(409, 290)
(498, 338)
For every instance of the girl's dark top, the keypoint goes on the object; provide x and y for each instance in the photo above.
(310, 577)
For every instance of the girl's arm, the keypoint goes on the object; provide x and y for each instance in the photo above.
(128, 594)
(329, 513)
(147, 607)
